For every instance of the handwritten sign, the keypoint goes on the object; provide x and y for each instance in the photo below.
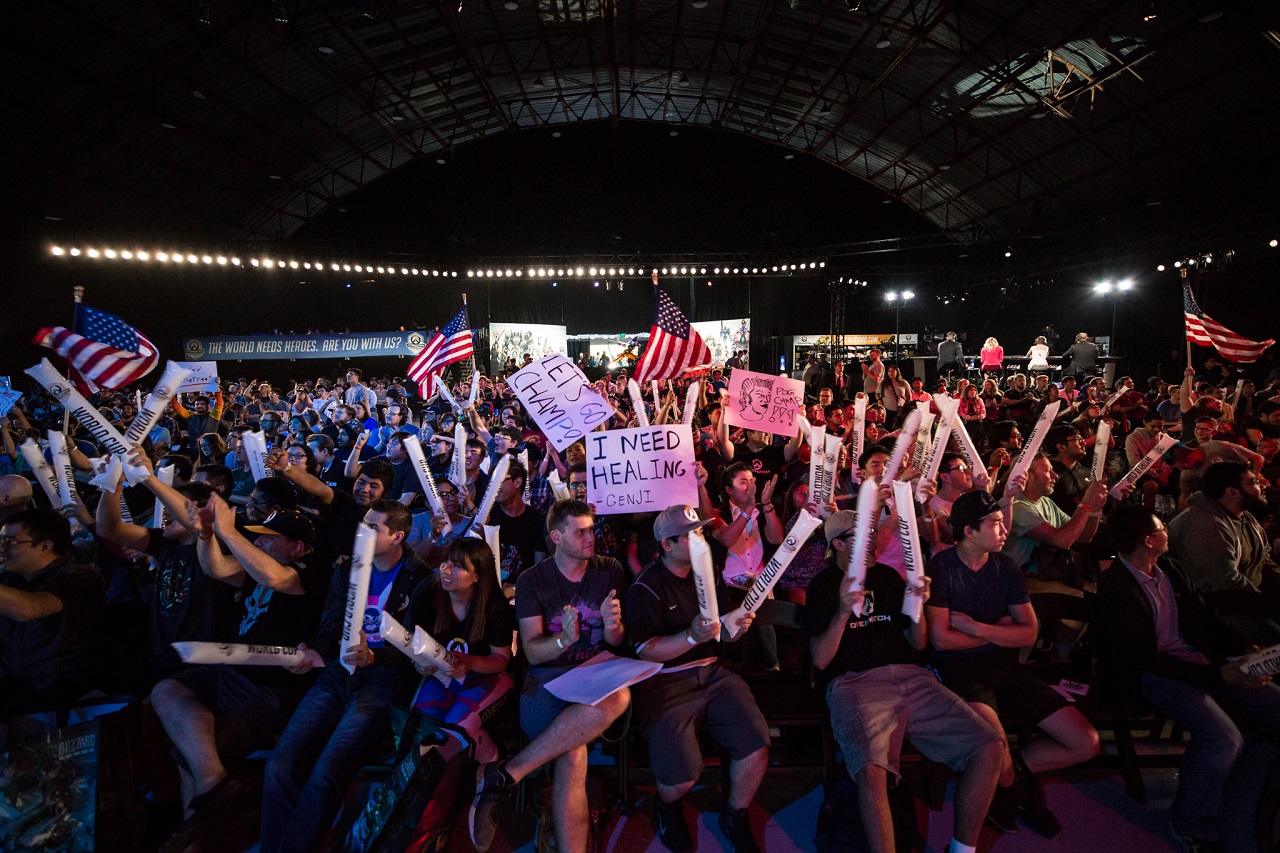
(763, 402)
(8, 399)
(203, 377)
(556, 393)
(645, 469)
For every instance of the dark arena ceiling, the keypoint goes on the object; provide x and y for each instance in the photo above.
(244, 120)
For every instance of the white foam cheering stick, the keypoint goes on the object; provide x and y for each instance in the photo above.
(1163, 444)
(443, 391)
(772, 572)
(110, 470)
(1032, 447)
(492, 538)
(523, 456)
(458, 464)
(923, 438)
(473, 393)
(255, 444)
(239, 654)
(149, 412)
(637, 402)
(558, 487)
(704, 577)
(425, 644)
(62, 471)
(357, 591)
(496, 476)
(859, 434)
(413, 446)
(48, 481)
(1102, 441)
(399, 638)
(908, 431)
(99, 429)
(690, 403)
(657, 398)
(164, 475)
(908, 532)
(969, 451)
(867, 506)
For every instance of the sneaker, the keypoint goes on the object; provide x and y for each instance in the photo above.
(1028, 801)
(672, 829)
(737, 828)
(492, 791)
(1001, 816)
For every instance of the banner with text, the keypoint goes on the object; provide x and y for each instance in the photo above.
(644, 469)
(353, 345)
(513, 340)
(764, 402)
(556, 393)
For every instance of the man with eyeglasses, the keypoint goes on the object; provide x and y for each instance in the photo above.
(1224, 550)
(954, 480)
(431, 534)
(50, 607)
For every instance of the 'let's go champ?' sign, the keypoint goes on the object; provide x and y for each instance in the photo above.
(645, 469)
(556, 393)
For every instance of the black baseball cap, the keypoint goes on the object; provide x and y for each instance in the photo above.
(970, 508)
(286, 522)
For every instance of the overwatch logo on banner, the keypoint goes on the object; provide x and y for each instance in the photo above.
(194, 349)
(415, 342)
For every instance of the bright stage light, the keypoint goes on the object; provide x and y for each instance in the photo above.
(93, 253)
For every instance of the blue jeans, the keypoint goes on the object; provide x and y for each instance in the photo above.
(322, 749)
(1216, 742)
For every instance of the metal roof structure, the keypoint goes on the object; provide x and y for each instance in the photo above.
(252, 117)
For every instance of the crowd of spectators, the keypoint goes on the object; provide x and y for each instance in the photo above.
(93, 595)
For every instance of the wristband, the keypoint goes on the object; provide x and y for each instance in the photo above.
(688, 638)
(559, 643)
(205, 538)
(1090, 509)
(769, 508)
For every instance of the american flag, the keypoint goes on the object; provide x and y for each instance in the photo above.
(1205, 331)
(675, 349)
(102, 350)
(452, 344)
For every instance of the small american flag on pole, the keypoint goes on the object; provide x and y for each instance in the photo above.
(452, 344)
(1205, 331)
(675, 349)
(103, 350)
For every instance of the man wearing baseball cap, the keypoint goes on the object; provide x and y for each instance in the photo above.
(667, 627)
(979, 615)
(878, 693)
(278, 604)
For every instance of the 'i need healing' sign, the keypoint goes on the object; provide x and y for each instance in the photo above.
(645, 469)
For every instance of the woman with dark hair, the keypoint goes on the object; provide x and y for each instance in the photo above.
(211, 450)
(468, 614)
(894, 393)
(812, 556)
(363, 415)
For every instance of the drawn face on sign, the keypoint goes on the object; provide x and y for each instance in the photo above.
(755, 397)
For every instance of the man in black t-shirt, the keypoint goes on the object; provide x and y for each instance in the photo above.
(667, 627)
(185, 603)
(216, 715)
(878, 694)
(405, 488)
(50, 607)
(568, 611)
(522, 533)
(979, 615)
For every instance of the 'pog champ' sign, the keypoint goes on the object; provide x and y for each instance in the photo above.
(763, 402)
(645, 469)
(556, 393)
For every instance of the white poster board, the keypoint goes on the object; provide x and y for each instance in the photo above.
(557, 395)
(203, 378)
(765, 402)
(645, 469)
(513, 340)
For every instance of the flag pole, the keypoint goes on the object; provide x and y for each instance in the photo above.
(472, 360)
(77, 296)
(1188, 337)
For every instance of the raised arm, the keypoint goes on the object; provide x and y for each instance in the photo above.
(262, 568)
(277, 461)
(110, 524)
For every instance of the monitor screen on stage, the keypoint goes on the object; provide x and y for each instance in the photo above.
(513, 340)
